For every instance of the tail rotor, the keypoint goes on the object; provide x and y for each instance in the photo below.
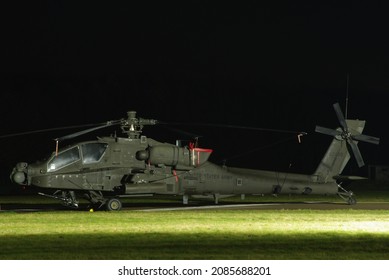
(344, 133)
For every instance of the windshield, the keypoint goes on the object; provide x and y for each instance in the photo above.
(63, 159)
(92, 152)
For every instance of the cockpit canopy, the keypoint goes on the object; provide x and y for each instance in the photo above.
(87, 152)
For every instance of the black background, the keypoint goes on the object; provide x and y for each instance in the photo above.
(278, 66)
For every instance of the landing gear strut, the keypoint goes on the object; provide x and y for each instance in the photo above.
(346, 195)
(97, 199)
(68, 198)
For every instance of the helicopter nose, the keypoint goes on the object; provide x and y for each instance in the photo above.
(19, 173)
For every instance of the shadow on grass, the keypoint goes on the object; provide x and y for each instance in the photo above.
(325, 245)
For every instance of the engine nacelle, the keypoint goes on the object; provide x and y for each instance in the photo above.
(179, 157)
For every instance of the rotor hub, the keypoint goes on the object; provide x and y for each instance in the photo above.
(346, 135)
(133, 126)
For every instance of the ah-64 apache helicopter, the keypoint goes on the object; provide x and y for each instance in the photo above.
(105, 169)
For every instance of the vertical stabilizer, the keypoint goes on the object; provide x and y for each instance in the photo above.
(337, 155)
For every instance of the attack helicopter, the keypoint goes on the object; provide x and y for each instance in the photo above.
(108, 168)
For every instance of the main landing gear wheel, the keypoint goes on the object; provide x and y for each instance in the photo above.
(114, 204)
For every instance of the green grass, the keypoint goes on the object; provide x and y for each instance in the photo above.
(201, 234)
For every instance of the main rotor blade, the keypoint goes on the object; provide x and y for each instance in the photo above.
(191, 135)
(357, 153)
(47, 130)
(73, 135)
(327, 131)
(367, 138)
(340, 116)
(235, 127)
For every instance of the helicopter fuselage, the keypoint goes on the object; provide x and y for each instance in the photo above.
(109, 167)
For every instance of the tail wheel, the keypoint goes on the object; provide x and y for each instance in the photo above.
(351, 201)
(114, 204)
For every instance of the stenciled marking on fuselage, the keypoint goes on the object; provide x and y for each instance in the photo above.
(213, 176)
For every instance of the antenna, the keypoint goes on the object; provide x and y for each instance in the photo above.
(346, 96)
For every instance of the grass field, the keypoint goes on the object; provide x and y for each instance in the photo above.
(200, 234)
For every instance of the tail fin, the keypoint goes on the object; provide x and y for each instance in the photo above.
(337, 155)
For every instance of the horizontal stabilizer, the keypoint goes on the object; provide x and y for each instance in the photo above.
(349, 178)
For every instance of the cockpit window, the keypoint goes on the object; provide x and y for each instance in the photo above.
(92, 152)
(63, 159)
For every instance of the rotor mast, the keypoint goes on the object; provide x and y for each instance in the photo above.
(133, 126)
(346, 109)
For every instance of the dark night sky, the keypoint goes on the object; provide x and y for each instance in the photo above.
(251, 64)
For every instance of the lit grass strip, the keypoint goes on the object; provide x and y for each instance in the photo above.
(208, 234)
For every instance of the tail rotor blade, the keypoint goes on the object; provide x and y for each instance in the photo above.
(357, 153)
(340, 116)
(367, 138)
